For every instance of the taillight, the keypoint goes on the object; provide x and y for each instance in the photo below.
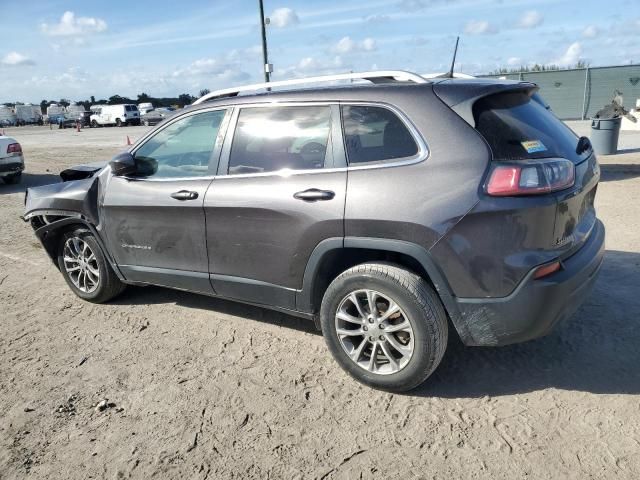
(14, 148)
(530, 177)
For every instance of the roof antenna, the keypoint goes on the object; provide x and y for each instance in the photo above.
(453, 62)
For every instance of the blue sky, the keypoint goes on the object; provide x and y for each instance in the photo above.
(77, 48)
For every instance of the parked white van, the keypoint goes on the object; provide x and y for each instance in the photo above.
(144, 107)
(118, 115)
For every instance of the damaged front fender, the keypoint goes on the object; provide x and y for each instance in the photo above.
(54, 209)
(78, 198)
(79, 172)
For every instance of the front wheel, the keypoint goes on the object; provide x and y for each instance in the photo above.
(118, 122)
(85, 268)
(384, 325)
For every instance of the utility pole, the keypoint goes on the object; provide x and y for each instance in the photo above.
(267, 66)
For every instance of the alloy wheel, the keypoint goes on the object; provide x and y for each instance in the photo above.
(81, 264)
(374, 332)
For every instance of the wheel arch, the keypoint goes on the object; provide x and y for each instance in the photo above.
(335, 255)
(49, 236)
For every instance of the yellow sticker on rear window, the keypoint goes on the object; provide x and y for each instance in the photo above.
(533, 146)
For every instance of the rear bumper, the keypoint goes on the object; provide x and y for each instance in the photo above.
(535, 306)
(11, 166)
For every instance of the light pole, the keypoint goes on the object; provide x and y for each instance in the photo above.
(266, 66)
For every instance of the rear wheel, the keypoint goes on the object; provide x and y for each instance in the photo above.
(85, 268)
(384, 325)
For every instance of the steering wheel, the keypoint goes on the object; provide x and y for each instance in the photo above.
(313, 147)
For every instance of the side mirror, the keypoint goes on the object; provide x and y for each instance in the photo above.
(123, 164)
(583, 144)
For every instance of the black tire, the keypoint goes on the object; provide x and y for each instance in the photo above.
(13, 179)
(94, 124)
(118, 122)
(108, 286)
(423, 310)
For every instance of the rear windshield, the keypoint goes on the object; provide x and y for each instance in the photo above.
(519, 128)
(131, 108)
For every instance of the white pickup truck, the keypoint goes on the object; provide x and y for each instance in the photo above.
(11, 160)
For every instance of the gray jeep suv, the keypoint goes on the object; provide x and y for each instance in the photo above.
(390, 213)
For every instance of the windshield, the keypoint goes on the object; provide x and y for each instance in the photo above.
(518, 127)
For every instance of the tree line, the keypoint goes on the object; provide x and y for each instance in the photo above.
(176, 102)
(537, 68)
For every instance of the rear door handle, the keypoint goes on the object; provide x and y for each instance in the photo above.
(184, 195)
(314, 194)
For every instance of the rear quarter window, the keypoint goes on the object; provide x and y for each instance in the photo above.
(518, 127)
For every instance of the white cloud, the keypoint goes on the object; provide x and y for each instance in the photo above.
(377, 18)
(209, 71)
(591, 31)
(531, 19)
(417, 40)
(412, 5)
(71, 25)
(513, 61)
(479, 27)
(16, 59)
(283, 17)
(368, 45)
(347, 45)
(571, 56)
(309, 66)
(244, 54)
(206, 66)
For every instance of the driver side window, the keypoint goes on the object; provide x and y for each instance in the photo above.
(182, 149)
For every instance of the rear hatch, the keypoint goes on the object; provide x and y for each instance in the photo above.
(519, 128)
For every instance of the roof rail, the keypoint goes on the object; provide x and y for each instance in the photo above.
(383, 76)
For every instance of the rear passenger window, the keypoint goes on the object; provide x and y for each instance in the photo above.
(374, 134)
(269, 139)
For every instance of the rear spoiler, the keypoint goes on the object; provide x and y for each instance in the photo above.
(461, 95)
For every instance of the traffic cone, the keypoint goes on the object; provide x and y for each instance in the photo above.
(129, 140)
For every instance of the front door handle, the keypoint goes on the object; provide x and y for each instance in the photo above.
(184, 195)
(314, 194)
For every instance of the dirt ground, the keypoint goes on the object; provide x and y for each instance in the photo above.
(203, 388)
